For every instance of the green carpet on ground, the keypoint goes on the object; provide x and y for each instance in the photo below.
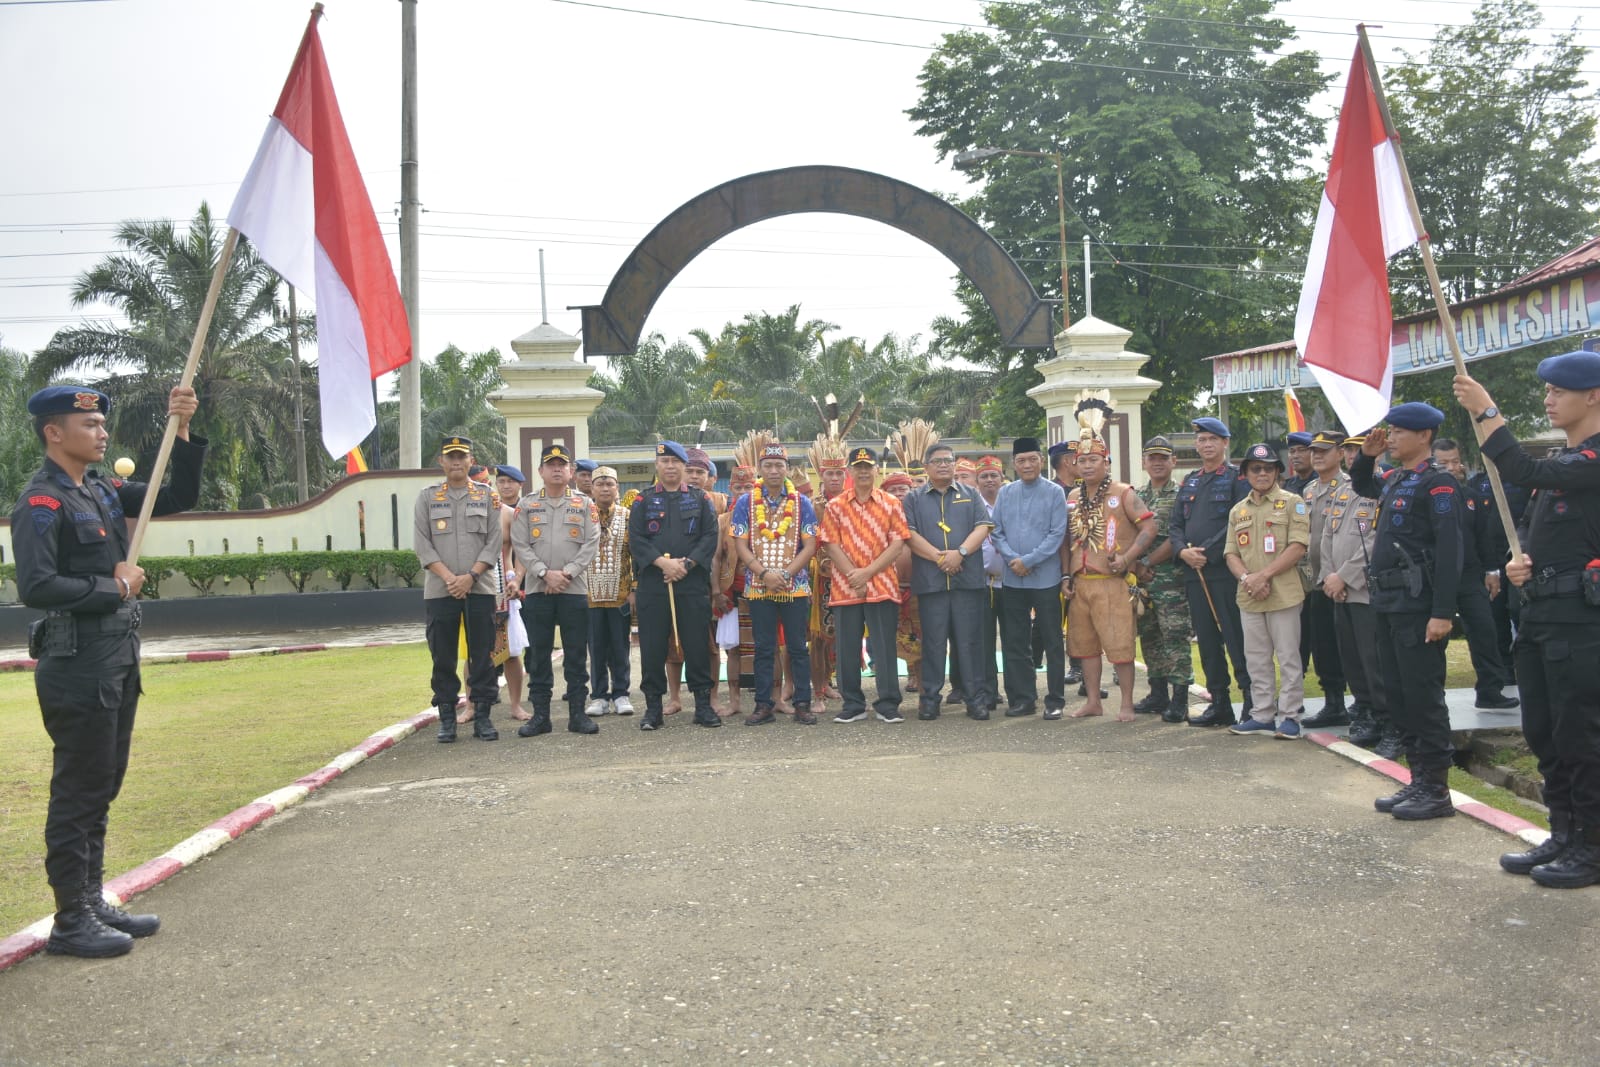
(209, 738)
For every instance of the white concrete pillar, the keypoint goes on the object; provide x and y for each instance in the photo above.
(1090, 355)
(547, 399)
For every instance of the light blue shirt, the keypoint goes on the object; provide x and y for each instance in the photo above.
(1030, 519)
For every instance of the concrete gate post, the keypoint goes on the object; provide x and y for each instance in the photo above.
(1090, 355)
(547, 399)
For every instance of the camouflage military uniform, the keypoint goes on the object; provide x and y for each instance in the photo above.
(1165, 630)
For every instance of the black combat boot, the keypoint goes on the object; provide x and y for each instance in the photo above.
(1177, 709)
(578, 721)
(1577, 866)
(1554, 845)
(539, 724)
(1386, 804)
(1220, 713)
(704, 714)
(482, 728)
(1364, 730)
(78, 931)
(1389, 745)
(652, 714)
(1431, 800)
(115, 917)
(447, 723)
(1333, 713)
(1157, 701)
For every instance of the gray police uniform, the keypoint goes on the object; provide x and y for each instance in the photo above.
(556, 534)
(459, 527)
(1345, 547)
(1318, 629)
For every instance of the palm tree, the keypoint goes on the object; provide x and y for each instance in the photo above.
(19, 449)
(656, 393)
(243, 379)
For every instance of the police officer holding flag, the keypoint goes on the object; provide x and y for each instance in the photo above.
(69, 531)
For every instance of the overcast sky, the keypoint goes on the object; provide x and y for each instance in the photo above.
(572, 127)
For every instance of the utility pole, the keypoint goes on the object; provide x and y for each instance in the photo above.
(301, 481)
(410, 456)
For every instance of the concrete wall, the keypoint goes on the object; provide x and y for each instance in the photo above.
(371, 510)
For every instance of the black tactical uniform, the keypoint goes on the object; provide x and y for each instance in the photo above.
(1483, 548)
(68, 539)
(1557, 649)
(1415, 572)
(681, 524)
(1200, 520)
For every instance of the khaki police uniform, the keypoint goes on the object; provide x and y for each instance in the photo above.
(459, 528)
(556, 533)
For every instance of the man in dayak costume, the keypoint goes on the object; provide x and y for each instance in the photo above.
(1110, 528)
(774, 531)
(728, 594)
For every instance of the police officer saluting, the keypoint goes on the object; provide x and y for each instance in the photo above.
(672, 533)
(1415, 569)
(1558, 642)
(70, 535)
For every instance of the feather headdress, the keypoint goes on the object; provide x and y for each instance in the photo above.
(910, 445)
(828, 451)
(1092, 412)
(825, 453)
(747, 453)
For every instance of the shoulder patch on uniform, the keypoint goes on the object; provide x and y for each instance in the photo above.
(42, 501)
(1443, 498)
(1299, 509)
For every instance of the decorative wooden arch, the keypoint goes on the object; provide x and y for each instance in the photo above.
(613, 327)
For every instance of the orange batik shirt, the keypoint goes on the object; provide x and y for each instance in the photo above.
(862, 531)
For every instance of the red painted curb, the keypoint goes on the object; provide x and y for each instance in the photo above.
(18, 947)
(17, 665)
(144, 876)
(248, 817)
(317, 779)
(374, 745)
(207, 657)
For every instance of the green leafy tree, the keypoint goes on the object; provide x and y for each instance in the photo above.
(19, 449)
(1499, 133)
(243, 379)
(653, 394)
(1184, 143)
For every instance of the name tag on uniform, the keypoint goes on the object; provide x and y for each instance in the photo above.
(1269, 543)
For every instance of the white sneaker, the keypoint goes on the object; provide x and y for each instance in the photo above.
(622, 706)
(598, 707)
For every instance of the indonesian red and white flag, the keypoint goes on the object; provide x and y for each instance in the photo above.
(1345, 319)
(305, 208)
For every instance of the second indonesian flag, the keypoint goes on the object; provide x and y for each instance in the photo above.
(305, 208)
(1344, 322)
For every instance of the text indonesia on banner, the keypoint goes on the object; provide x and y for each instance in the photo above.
(1343, 325)
(305, 208)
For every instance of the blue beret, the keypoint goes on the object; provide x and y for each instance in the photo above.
(1299, 438)
(1061, 448)
(1210, 425)
(511, 472)
(67, 399)
(587, 465)
(1415, 416)
(1571, 370)
(671, 448)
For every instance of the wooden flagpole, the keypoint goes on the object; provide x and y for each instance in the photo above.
(202, 328)
(1446, 320)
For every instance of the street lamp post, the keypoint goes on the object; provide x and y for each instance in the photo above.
(971, 160)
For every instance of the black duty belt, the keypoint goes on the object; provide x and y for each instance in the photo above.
(1557, 585)
(124, 620)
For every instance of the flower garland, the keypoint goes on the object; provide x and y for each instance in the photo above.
(764, 526)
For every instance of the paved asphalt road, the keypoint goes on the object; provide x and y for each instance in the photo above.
(951, 892)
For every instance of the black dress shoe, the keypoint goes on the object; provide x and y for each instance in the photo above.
(928, 712)
(1330, 715)
(980, 714)
(1083, 690)
(1216, 715)
(1017, 711)
(1497, 702)
(955, 696)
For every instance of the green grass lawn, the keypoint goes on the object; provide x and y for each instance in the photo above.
(210, 737)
